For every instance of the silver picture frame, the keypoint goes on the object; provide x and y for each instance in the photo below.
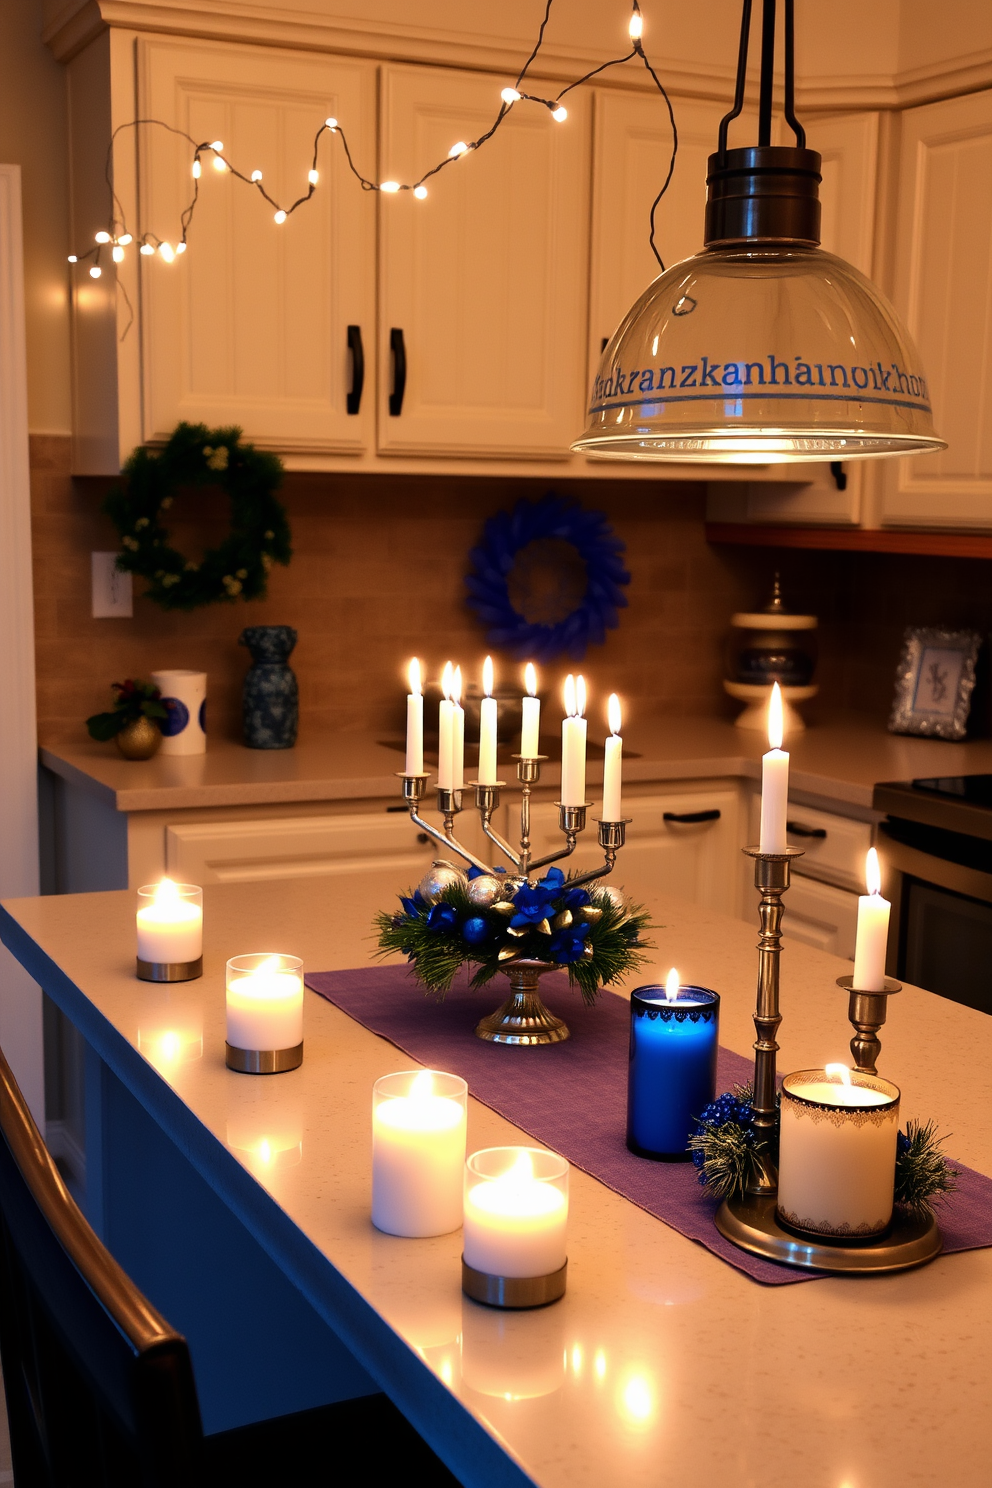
(935, 679)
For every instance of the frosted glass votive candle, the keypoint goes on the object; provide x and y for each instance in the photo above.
(264, 1013)
(169, 925)
(418, 1152)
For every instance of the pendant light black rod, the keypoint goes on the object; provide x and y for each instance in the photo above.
(790, 75)
(767, 83)
(739, 86)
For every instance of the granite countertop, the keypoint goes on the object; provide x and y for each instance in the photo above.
(840, 762)
(678, 1369)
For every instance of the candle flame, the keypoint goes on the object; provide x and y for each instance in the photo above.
(447, 678)
(775, 727)
(520, 1172)
(414, 675)
(166, 893)
(456, 686)
(487, 676)
(570, 695)
(613, 713)
(838, 1074)
(422, 1086)
(873, 874)
(580, 695)
(268, 967)
(672, 985)
(530, 679)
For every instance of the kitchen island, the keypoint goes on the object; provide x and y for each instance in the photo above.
(661, 1366)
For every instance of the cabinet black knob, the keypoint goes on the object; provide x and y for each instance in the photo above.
(692, 816)
(353, 401)
(398, 348)
(423, 838)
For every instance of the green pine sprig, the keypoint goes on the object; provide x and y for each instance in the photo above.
(922, 1170)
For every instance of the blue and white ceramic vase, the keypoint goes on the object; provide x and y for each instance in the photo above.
(270, 698)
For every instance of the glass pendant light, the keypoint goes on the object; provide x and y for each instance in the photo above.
(762, 348)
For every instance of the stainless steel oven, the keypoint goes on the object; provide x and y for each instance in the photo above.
(936, 850)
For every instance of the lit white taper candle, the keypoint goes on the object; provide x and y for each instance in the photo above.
(873, 930)
(487, 728)
(774, 781)
(415, 722)
(445, 731)
(612, 763)
(530, 728)
(573, 743)
(457, 731)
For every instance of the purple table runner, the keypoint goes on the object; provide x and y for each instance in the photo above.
(572, 1097)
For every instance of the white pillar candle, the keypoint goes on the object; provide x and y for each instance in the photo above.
(837, 1151)
(445, 732)
(264, 1002)
(170, 923)
(774, 781)
(487, 728)
(873, 931)
(418, 1152)
(516, 1211)
(530, 727)
(573, 744)
(457, 732)
(415, 723)
(612, 763)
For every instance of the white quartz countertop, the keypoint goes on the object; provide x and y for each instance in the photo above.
(840, 762)
(662, 1367)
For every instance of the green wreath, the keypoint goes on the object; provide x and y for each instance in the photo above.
(259, 536)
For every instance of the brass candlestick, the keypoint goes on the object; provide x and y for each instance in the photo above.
(867, 1010)
(771, 879)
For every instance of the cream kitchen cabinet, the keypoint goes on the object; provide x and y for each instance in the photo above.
(482, 286)
(943, 288)
(686, 842)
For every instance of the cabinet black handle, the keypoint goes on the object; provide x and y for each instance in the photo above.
(423, 838)
(796, 829)
(398, 348)
(353, 402)
(692, 816)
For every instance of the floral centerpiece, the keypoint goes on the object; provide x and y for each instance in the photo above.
(493, 920)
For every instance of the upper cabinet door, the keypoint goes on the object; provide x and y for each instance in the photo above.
(943, 287)
(483, 285)
(251, 325)
(633, 146)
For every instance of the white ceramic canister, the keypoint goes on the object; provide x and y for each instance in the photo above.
(184, 695)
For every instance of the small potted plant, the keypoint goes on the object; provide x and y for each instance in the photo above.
(131, 721)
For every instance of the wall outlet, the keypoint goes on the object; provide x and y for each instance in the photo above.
(112, 594)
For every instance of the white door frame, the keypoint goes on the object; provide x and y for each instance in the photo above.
(20, 997)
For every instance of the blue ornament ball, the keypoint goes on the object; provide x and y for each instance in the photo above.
(475, 930)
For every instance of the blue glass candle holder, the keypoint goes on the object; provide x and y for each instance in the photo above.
(672, 1074)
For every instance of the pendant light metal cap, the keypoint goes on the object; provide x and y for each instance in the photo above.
(763, 193)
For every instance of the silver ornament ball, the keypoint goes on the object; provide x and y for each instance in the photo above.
(485, 890)
(615, 896)
(441, 876)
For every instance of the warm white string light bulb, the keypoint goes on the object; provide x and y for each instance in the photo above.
(509, 95)
(118, 253)
(95, 271)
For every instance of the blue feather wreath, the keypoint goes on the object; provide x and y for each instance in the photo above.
(505, 535)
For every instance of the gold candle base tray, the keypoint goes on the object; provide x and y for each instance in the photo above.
(263, 1061)
(752, 1224)
(169, 971)
(513, 1291)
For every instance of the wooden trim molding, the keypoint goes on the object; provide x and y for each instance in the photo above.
(857, 540)
(20, 998)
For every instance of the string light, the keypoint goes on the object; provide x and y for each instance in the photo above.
(95, 271)
(149, 243)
